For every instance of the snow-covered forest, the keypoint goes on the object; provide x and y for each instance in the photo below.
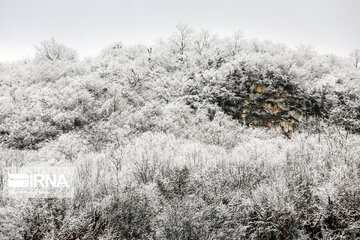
(194, 137)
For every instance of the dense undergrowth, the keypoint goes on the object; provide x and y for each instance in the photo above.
(158, 156)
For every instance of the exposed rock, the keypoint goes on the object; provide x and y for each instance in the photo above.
(283, 107)
(260, 89)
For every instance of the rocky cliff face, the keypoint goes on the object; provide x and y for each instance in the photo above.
(272, 104)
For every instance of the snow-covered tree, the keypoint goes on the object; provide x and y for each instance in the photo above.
(355, 57)
(182, 38)
(51, 50)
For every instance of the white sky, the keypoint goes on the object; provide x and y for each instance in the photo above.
(331, 26)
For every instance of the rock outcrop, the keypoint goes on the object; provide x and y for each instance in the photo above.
(272, 104)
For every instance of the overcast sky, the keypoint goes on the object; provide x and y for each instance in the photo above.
(331, 26)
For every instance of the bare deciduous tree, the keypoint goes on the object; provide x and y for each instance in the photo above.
(236, 42)
(355, 57)
(53, 51)
(181, 39)
(204, 41)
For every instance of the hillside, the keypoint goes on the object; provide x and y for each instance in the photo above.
(195, 137)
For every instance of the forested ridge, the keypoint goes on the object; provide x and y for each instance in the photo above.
(195, 137)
